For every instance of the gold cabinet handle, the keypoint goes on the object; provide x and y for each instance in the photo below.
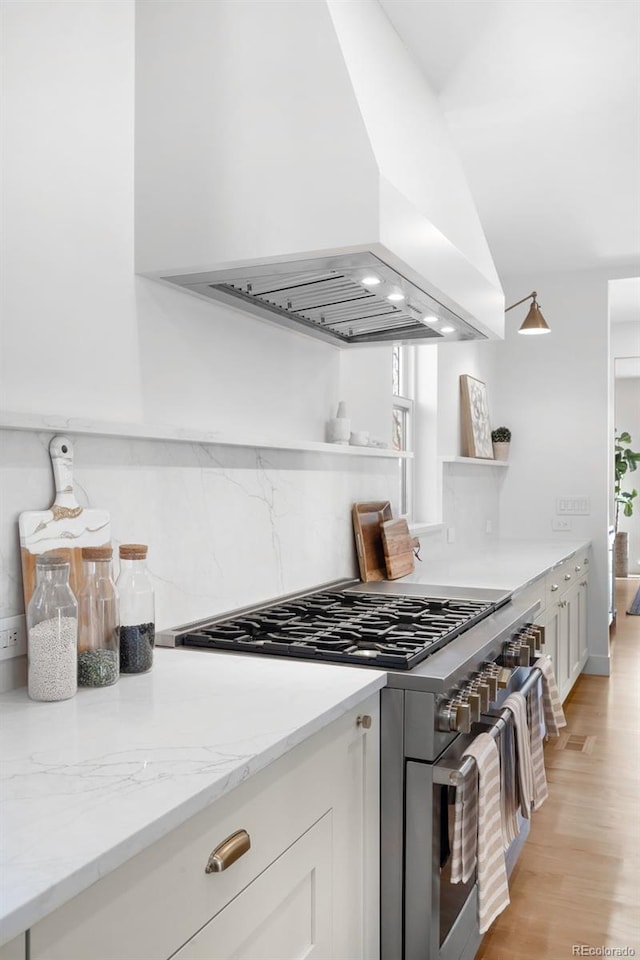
(228, 852)
(364, 721)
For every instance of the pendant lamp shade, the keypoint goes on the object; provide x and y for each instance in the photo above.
(534, 322)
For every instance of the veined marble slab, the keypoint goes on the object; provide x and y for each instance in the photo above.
(87, 783)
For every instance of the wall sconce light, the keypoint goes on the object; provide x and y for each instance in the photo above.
(534, 322)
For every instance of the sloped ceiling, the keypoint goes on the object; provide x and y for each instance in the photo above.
(543, 103)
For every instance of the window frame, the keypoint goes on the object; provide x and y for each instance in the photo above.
(402, 389)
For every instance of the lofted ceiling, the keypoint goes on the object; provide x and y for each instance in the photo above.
(543, 103)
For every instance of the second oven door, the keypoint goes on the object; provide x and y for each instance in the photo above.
(440, 918)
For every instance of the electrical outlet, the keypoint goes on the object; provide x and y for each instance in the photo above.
(451, 535)
(13, 637)
(561, 523)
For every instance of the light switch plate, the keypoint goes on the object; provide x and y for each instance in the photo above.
(577, 506)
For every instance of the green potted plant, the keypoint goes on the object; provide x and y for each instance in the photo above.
(625, 461)
(501, 438)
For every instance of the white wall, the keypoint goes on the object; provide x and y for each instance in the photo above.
(83, 337)
(553, 391)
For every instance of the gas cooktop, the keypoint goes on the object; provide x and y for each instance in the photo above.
(382, 629)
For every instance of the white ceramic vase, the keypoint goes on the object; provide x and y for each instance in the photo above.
(339, 427)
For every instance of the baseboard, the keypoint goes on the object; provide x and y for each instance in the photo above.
(598, 666)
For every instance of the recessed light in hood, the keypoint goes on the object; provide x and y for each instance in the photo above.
(326, 298)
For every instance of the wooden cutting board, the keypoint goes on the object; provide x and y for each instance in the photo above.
(65, 528)
(367, 518)
(398, 547)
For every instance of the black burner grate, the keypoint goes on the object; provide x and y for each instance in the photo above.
(338, 627)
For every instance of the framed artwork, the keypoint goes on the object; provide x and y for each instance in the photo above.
(474, 419)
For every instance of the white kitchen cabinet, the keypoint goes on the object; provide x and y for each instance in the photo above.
(307, 887)
(15, 949)
(562, 593)
(285, 914)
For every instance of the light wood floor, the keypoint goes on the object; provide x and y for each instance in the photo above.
(577, 881)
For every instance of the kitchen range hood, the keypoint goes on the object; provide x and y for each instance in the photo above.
(292, 162)
(346, 299)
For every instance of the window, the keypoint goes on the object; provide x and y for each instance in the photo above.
(402, 413)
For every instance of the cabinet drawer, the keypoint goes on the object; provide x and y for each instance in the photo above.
(565, 575)
(153, 904)
(559, 579)
(283, 915)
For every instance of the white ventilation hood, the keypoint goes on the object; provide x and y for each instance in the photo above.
(287, 153)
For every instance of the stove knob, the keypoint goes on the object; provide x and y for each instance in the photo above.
(516, 653)
(463, 715)
(504, 678)
(528, 639)
(484, 689)
(539, 630)
(446, 716)
(480, 687)
(475, 702)
(490, 676)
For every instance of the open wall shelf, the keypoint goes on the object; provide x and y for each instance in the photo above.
(77, 426)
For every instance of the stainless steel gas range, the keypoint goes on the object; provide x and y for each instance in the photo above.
(451, 657)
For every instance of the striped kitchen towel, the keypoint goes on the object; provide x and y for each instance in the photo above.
(508, 786)
(517, 704)
(493, 887)
(540, 791)
(552, 705)
(465, 830)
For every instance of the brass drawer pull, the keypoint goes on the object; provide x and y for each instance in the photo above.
(228, 852)
(364, 721)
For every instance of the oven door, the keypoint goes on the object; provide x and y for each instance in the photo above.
(441, 918)
(527, 681)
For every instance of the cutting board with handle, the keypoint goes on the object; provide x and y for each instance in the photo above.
(65, 528)
(399, 548)
(367, 518)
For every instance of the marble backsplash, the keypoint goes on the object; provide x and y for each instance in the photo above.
(226, 526)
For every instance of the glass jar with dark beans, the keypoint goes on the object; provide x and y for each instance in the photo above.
(137, 618)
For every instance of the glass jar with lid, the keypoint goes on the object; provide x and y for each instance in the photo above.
(52, 631)
(137, 609)
(98, 656)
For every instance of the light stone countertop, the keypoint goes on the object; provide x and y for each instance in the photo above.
(89, 782)
(501, 565)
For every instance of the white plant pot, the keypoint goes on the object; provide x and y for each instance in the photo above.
(501, 451)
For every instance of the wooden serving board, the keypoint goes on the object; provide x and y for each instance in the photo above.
(399, 548)
(65, 528)
(367, 518)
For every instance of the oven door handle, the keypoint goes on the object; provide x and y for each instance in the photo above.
(455, 775)
(535, 674)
